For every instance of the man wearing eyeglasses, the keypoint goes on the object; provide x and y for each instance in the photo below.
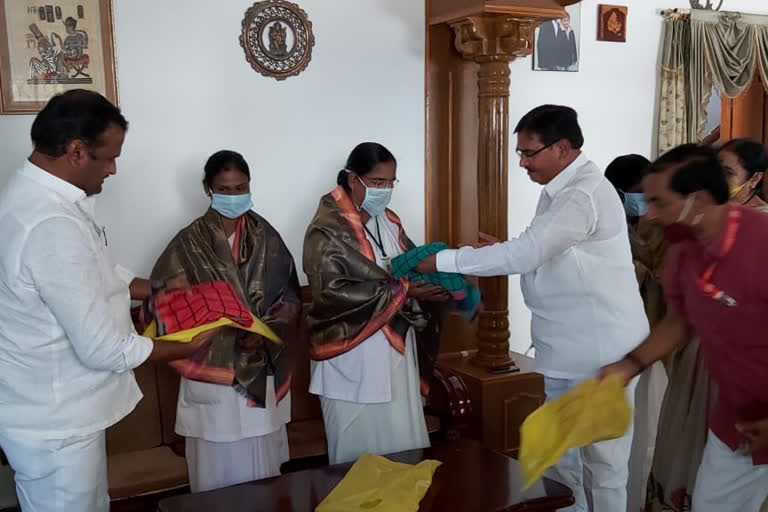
(579, 282)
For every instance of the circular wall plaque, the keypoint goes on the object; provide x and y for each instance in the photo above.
(277, 38)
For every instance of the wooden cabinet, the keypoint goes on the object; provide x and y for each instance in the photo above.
(500, 403)
(746, 115)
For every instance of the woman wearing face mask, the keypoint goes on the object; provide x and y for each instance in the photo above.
(745, 162)
(646, 240)
(374, 338)
(648, 250)
(234, 418)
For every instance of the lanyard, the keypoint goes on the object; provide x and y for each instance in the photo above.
(705, 280)
(377, 239)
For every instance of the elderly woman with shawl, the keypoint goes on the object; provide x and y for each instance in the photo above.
(374, 338)
(234, 399)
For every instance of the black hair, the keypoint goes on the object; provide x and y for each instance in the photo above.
(627, 171)
(363, 159)
(221, 161)
(70, 22)
(552, 123)
(751, 154)
(694, 168)
(75, 114)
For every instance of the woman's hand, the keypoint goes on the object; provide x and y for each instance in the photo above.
(428, 292)
(252, 342)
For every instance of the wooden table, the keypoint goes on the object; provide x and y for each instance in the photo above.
(472, 478)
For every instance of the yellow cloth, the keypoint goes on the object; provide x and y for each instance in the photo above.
(377, 484)
(595, 410)
(186, 335)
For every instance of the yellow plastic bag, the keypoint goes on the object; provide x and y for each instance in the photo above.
(186, 335)
(376, 484)
(595, 410)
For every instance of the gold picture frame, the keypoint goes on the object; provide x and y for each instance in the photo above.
(49, 48)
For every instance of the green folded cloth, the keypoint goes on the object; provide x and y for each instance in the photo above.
(466, 295)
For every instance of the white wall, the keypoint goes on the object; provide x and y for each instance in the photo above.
(188, 91)
(614, 93)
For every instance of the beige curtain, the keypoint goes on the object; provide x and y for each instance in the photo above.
(674, 103)
(701, 50)
(726, 50)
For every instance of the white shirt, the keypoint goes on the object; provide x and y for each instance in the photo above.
(67, 343)
(577, 274)
(220, 414)
(363, 374)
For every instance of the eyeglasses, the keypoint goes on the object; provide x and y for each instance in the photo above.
(527, 153)
(380, 182)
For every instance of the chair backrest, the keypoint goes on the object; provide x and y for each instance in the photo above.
(304, 405)
(142, 429)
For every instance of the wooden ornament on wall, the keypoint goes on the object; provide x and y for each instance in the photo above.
(277, 38)
(612, 23)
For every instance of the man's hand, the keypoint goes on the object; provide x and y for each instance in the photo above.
(427, 292)
(626, 368)
(484, 240)
(756, 434)
(427, 265)
(140, 289)
(164, 351)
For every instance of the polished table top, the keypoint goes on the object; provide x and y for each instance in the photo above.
(472, 478)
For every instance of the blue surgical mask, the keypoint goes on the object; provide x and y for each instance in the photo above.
(376, 199)
(635, 205)
(231, 207)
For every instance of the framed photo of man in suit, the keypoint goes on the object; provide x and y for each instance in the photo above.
(557, 42)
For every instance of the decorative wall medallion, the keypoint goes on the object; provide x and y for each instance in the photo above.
(277, 38)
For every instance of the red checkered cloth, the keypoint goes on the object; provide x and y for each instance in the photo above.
(179, 310)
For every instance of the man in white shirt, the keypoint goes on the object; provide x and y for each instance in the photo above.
(579, 282)
(67, 343)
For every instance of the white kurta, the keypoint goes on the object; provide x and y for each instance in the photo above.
(56, 475)
(227, 441)
(67, 343)
(370, 396)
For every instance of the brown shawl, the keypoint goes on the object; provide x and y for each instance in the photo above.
(263, 273)
(352, 297)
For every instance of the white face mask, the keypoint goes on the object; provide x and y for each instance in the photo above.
(687, 210)
(376, 199)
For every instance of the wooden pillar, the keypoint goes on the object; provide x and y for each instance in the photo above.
(493, 41)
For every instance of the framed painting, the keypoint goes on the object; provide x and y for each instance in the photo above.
(612, 23)
(46, 49)
(557, 42)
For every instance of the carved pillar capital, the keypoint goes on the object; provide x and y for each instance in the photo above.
(487, 38)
